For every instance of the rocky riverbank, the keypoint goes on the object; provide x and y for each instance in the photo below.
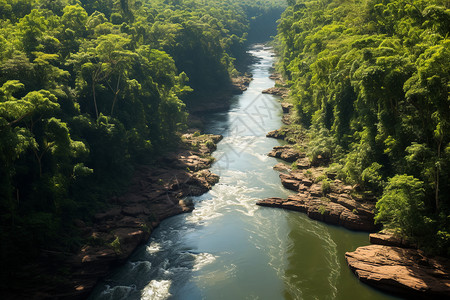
(318, 194)
(155, 193)
(393, 266)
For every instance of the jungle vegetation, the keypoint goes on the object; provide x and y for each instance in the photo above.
(370, 82)
(91, 88)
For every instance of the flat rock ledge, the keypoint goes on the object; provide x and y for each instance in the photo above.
(335, 205)
(324, 210)
(277, 91)
(155, 194)
(286, 152)
(406, 272)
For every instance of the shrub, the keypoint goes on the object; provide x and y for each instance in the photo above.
(326, 186)
(322, 209)
(401, 207)
(372, 179)
(116, 245)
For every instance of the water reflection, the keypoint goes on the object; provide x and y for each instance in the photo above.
(317, 268)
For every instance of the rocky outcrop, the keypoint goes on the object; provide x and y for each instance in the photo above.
(393, 264)
(334, 205)
(241, 83)
(286, 153)
(281, 167)
(277, 91)
(407, 272)
(389, 239)
(155, 193)
(286, 107)
(321, 208)
(277, 134)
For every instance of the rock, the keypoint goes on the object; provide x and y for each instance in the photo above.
(364, 208)
(289, 204)
(277, 134)
(407, 272)
(322, 209)
(389, 239)
(240, 83)
(129, 239)
(110, 214)
(135, 210)
(271, 202)
(277, 91)
(303, 163)
(353, 221)
(275, 77)
(286, 107)
(316, 190)
(290, 182)
(286, 153)
(286, 119)
(281, 167)
(299, 206)
(333, 213)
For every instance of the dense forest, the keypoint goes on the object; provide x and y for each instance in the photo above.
(90, 89)
(370, 81)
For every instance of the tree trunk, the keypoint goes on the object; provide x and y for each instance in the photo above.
(437, 176)
(95, 100)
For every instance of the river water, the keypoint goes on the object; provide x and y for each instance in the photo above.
(229, 248)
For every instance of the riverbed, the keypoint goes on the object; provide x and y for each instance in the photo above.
(229, 248)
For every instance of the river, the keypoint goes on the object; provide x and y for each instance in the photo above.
(229, 248)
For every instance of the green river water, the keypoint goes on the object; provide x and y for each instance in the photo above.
(229, 248)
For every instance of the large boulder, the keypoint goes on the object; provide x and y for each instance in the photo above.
(290, 182)
(286, 153)
(403, 271)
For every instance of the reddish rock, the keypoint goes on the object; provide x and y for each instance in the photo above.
(315, 190)
(275, 76)
(303, 187)
(286, 153)
(303, 163)
(362, 208)
(390, 240)
(333, 213)
(299, 206)
(281, 167)
(356, 222)
(404, 271)
(271, 202)
(323, 210)
(240, 84)
(289, 182)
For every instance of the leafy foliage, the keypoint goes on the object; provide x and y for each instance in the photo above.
(402, 205)
(371, 81)
(89, 89)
